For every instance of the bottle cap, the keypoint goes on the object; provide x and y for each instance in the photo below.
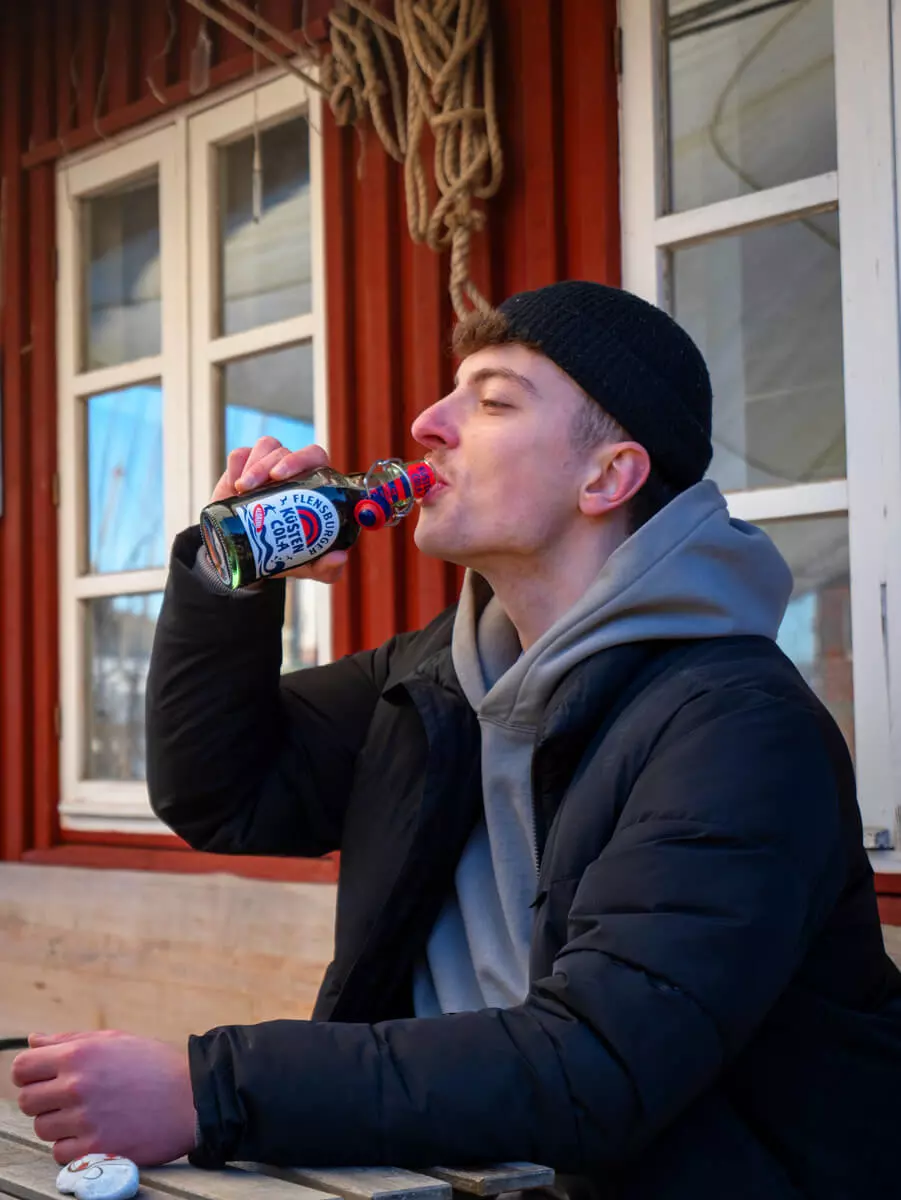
(372, 513)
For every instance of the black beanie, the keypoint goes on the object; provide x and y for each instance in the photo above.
(633, 359)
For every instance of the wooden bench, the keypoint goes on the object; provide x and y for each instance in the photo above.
(28, 1172)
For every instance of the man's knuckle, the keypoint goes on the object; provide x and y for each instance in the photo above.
(44, 1126)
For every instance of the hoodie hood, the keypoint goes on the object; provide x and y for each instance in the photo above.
(690, 572)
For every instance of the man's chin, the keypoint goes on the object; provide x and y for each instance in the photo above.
(431, 543)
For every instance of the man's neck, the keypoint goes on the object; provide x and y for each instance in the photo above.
(536, 593)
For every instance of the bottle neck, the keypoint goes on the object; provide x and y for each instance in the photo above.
(392, 488)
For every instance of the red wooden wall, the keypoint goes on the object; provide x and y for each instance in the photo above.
(72, 71)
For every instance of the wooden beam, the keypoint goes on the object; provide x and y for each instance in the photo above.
(340, 273)
(42, 464)
(589, 140)
(15, 532)
(378, 352)
(144, 109)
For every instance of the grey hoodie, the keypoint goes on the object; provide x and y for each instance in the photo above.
(690, 572)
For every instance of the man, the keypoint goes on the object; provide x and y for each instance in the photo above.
(603, 901)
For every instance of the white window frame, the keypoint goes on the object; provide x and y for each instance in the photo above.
(863, 189)
(180, 147)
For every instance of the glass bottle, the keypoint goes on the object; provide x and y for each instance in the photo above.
(289, 524)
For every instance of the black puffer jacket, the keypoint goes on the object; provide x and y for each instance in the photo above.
(711, 1012)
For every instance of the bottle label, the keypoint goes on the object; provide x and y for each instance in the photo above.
(287, 529)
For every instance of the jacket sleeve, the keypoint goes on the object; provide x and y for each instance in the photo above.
(241, 759)
(681, 937)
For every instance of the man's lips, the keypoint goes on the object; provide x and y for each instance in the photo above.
(438, 476)
(437, 488)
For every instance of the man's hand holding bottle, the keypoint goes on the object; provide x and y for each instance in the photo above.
(268, 461)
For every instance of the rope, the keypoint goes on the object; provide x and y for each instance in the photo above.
(448, 54)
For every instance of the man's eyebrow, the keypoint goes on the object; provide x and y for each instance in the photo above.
(486, 374)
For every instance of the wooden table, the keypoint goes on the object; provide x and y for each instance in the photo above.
(28, 1172)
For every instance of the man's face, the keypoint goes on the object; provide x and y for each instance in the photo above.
(500, 443)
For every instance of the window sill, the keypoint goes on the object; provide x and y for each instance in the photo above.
(115, 853)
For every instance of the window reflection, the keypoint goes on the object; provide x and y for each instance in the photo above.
(121, 276)
(264, 268)
(816, 631)
(765, 309)
(124, 431)
(119, 636)
(751, 96)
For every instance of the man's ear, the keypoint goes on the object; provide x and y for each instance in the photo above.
(618, 471)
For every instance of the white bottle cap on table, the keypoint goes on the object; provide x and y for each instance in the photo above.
(99, 1177)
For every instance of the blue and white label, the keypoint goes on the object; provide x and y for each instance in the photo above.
(287, 529)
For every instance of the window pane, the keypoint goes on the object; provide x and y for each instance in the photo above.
(751, 96)
(119, 634)
(125, 479)
(264, 263)
(765, 309)
(299, 641)
(816, 631)
(272, 395)
(121, 276)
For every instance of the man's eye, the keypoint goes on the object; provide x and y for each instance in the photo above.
(488, 403)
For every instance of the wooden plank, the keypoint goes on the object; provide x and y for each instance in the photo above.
(491, 1181)
(103, 949)
(589, 141)
(16, 1127)
(15, 1154)
(15, 536)
(362, 1183)
(231, 1183)
(381, 557)
(36, 1180)
(42, 469)
(339, 196)
(241, 1181)
(426, 372)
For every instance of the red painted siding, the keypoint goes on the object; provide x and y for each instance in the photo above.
(74, 70)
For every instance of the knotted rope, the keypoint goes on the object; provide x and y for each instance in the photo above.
(448, 53)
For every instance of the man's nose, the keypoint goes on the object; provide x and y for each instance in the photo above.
(436, 427)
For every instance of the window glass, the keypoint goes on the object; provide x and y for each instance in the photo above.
(765, 308)
(125, 479)
(816, 631)
(751, 96)
(264, 256)
(121, 276)
(119, 635)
